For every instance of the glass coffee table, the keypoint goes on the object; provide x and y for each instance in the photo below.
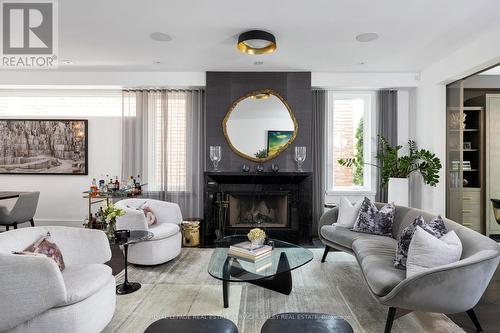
(135, 236)
(285, 257)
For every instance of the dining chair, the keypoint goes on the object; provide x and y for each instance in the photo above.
(23, 211)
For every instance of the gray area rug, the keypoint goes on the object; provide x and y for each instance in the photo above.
(183, 287)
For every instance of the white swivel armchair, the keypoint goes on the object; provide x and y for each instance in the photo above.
(166, 242)
(37, 297)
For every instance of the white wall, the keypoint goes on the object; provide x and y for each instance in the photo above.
(429, 123)
(61, 199)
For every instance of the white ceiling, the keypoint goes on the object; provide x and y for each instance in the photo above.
(319, 35)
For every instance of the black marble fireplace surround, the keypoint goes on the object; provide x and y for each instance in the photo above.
(222, 89)
(297, 186)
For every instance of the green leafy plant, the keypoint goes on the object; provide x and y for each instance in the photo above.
(261, 153)
(393, 166)
(358, 166)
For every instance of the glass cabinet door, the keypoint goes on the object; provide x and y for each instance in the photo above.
(454, 150)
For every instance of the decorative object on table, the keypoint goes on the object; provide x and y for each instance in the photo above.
(215, 156)
(496, 209)
(191, 232)
(467, 145)
(250, 251)
(275, 167)
(245, 168)
(109, 214)
(395, 168)
(276, 140)
(23, 211)
(33, 140)
(300, 157)
(259, 167)
(256, 236)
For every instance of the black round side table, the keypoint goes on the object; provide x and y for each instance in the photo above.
(134, 236)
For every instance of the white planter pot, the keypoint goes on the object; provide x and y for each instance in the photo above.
(398, 191)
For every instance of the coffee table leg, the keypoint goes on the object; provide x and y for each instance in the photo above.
(127, 287)
(225, 282)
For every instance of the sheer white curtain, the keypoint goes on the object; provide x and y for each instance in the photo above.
(163, 137)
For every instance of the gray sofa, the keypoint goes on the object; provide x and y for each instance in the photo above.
(448, 289)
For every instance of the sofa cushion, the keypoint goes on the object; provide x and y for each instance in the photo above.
(163, 230)
(373, 220)
(376, 258)
(83, 281)
(343, 236)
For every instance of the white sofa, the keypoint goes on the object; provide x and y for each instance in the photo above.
(36, 297)
(166, 242)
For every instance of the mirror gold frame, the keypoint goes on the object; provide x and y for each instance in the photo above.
(259, 93)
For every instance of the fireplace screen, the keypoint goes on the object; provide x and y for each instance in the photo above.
(258, 210)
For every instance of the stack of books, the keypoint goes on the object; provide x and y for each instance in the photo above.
(250, 252)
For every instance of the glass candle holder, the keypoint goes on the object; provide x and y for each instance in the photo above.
(300, 157)
(215, 156)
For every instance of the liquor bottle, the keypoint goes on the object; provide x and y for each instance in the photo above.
(93, 188)
(117, 184)
(111, 185)
(101, 183)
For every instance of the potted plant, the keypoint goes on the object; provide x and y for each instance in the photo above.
(257, 236)
(396, 168)
(109, 215)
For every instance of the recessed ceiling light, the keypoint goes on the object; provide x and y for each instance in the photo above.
(367, 37)
(257, 42)
(258, 63)
(67, 62)
(156, 62)
(361, 63)
(160, 37)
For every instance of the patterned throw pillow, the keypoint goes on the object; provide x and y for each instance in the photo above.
(374, 221)
(45, 246)
(436, 227)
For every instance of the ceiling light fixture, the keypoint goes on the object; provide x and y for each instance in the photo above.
(257, 42)
(160, 37)
(367, 37)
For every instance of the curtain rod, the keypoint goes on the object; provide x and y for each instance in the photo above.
(160, 89)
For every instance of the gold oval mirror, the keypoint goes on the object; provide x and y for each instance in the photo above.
(260, 125)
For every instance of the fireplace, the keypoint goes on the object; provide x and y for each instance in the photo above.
(269, 210)
(236, 202)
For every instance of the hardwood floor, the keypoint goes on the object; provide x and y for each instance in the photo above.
(487, 310)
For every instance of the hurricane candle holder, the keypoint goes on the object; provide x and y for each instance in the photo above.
(215, 156)
(300, 157)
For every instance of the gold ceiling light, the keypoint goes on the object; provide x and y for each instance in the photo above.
(257, 42)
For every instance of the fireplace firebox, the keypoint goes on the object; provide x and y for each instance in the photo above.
(269, 210)
(280, 203)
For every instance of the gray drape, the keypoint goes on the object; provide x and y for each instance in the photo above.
(387, 126)
(319, 109)
(169, 156)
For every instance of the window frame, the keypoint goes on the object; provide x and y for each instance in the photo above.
(369, 143)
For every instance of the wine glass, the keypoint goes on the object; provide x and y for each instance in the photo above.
(215, 156)
(300, 157)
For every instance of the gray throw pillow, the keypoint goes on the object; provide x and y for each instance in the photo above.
(435, 227)
(373, 221)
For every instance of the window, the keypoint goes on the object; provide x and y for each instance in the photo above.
(350, 119)
(167, 138)
(64, 103)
